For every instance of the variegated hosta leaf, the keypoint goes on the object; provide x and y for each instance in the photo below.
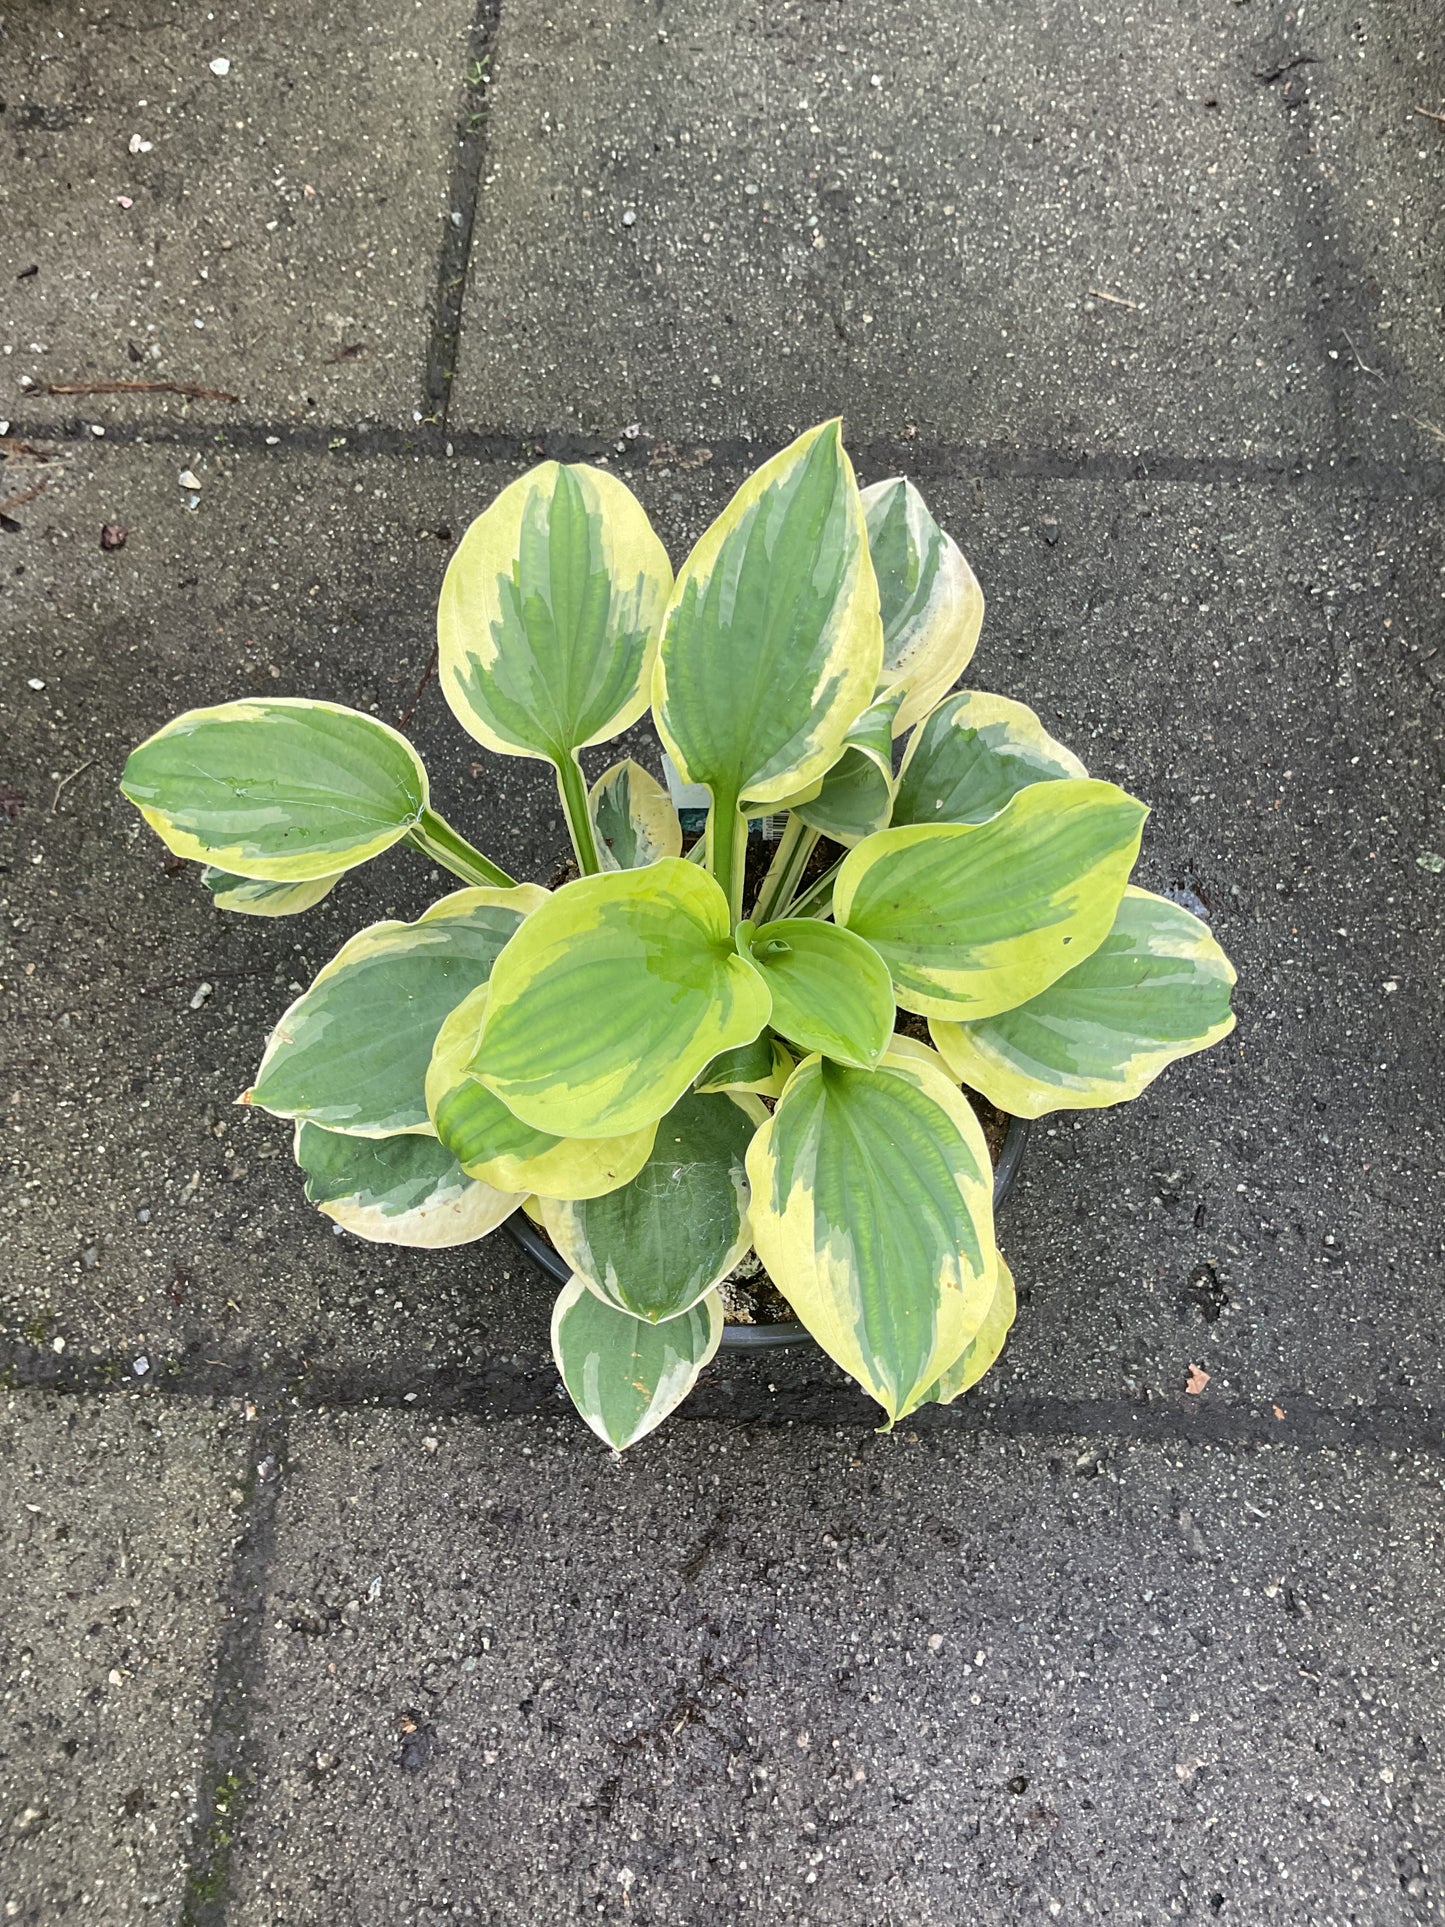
(831, 991)
(497, 1148)
(1155, 989)
(613, 997)
(972, 919)
(253, 897)
(278, 788)
(982, 1351)
(761, 1068)
(656, 1245)
(406, 1190)
(873, 1212)
(973, 754)
(623, 1374)
(856, 796)
(633, 817)
(771, 644)
(930, 599)
(549, 614)
(352, 1052)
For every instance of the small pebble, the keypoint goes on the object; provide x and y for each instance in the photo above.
(202, 992)
(34, 682)
(220, 67)
(140, 1367)
(629, 217)
(187, 479)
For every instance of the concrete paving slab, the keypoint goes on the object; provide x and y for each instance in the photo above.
(791, 1676)
(999, 225)
(1255, 663)
(1379, 79)
(115, 1540)
(272, 231)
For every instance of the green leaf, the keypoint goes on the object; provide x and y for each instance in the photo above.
(623, 1374)
(873, 1212)
(1157, 988)
(972, 919)
(254, 898)
(352, 1052)
(831, 991)
(499, 1149)
(771, 645)
(611, 999)
(398, 1190)
(634, 819)
(971, 756)
(549, 614)
(656, 1245)
(279, 789)
(856, 795)
(762, 1068)
(982, 1351)
(931, 604)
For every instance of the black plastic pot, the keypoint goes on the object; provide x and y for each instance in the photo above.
(763, 1338)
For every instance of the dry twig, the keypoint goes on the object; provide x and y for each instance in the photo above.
(1102, 294)
(185, 388)
(1425, 114)
(66, 781)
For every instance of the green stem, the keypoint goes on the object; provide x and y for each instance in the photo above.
(573, 791)
(436, 838)
(790, 859)
(817, 899)
(727, 849)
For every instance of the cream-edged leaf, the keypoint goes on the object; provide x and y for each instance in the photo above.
(761, 1068)
(931, 604)
(277, 788)
(352, 1052)
(1156, 989)
(982, 1351)
(549, 614)
(499, 1149)
(623, 1374)
(658, 1243)
(872, 1210)
(971, 755)
(856, 796)
(633, 817)
(253, 897)
(406, 1190)
(771, 643)
(613, 997)
(972, 919)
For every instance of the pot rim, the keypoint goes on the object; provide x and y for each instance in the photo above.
(761, 1338)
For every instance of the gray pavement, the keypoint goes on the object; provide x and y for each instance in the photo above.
(440, 1657)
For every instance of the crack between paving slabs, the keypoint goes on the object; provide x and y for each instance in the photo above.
(229, 1763)
(463, 193)
(926, 461)
(747, 1396)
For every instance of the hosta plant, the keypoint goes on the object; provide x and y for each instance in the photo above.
(660, 1070)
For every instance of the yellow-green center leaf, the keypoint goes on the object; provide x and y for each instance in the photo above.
(352, 1052)
(831, 991)
(657, 1244)
(772, 643)
(972, 919)
(971, 756)
(280, 789)
(623, 1374)
(931, 603)
(549, 614)
(398, 1190)
(613, 997)
(1157, 988)
(873, 1212)
(633, 817)
(498, 1149)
